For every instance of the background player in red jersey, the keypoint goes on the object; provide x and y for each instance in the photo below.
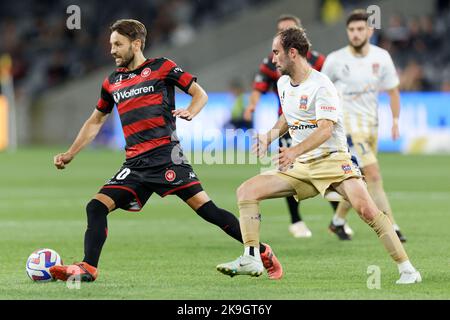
(266, 80)
(144, 92)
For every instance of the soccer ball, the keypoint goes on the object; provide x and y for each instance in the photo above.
(39, 263)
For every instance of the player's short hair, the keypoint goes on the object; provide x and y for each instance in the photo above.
(290, 17)
(357, 15)
(295, 38)
(130, 28)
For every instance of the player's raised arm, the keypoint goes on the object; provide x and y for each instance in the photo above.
(199, 100)
(87, 133)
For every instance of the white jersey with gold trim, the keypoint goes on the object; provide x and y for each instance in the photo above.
(303, 105)
(358, 80)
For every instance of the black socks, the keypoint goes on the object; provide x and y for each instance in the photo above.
(97, 231)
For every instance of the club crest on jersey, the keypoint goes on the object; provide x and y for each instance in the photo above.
(170, 175)
(347, 168)
(146, 72)
(303, 103)
(375, 68)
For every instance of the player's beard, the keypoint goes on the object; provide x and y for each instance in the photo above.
(288, 70)
(127, 58)
(359, 47)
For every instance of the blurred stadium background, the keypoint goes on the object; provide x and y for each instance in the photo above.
(50, 82)
(56, 72)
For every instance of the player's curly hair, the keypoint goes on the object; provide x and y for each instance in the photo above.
(295, 38)
(130, 28)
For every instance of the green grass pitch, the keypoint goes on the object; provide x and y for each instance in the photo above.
(168, 252)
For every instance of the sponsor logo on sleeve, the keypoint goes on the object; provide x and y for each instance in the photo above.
(328, 108)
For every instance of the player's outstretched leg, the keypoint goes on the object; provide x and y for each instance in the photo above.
(357, 194)
(250, 262)
(228, 222)
(249, 194)
(379, 196)
(298, 227)
(95, 237)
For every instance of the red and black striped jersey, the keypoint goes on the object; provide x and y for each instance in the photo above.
(145, 98)
(268, 74)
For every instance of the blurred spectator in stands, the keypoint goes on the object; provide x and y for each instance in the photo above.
(182, 13)
(45, 53)
(331, 11)
(397, 31)
(237, 111)
(446, 80)
(58, 68)
(412, 78)
(428, 35)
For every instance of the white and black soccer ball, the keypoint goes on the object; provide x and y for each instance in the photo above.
(39, 263)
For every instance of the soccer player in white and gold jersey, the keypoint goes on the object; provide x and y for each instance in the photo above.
(317, 162)
(359, 71)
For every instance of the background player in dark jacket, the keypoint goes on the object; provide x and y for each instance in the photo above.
(143, 90)
(266, 80)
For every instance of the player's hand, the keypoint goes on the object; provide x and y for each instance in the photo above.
(261, 144)
(395, 131)
(183, 114)
(285, 158)
(248, 114)
(60, 160)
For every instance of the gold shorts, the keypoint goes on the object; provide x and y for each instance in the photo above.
(311, 178)
(364, 147)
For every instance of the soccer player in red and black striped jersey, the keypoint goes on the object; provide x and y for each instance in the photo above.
(266, 80)
(143, 91)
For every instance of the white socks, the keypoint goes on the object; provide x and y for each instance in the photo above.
(406, 267)
(337, 221)
(256, 253)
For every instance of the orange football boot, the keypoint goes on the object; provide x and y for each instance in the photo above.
(81, 271)
(271, 263)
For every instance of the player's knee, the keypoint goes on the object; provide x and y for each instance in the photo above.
(246, 192)
(366, 210)
(94, 209)
(373, 178)
(372, 175)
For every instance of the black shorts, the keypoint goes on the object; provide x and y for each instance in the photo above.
(285, 141)
(135, 182)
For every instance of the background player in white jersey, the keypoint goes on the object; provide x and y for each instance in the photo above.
(317, 162)
(359, 71)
